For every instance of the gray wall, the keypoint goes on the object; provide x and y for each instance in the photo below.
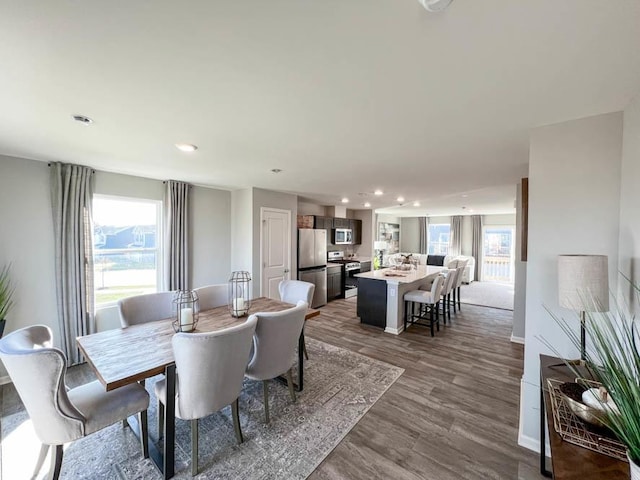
(410, 234)
(520, 283)
(629, 243)
(284, 201)
(26, 237)
(574, 200)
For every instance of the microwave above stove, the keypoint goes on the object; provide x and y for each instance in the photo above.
(342, 236)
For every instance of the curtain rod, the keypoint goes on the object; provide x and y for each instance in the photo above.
(92, 170)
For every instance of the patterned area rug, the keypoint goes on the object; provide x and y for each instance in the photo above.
(340, 387)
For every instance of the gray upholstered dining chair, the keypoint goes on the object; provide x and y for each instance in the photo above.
(149, 307)
(274, 347)
(212, 296)
(462, 264)
(59, 415)
(292, 291)
(210, 370)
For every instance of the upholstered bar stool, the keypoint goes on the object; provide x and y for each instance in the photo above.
(427, 305)
(449, 283)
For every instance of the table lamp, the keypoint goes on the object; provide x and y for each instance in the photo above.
(380, 246)
(583, 286)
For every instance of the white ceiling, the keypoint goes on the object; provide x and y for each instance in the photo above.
(345, 96)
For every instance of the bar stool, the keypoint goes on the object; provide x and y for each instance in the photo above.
(449, 284)
(427, 304)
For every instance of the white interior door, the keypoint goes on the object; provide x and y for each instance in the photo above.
(275, 251)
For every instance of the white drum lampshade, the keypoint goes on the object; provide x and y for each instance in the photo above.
(583, 286)
(583, 282)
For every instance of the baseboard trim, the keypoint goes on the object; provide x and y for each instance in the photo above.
(4, 380)
(526, 441)
(394, 331)
(515, 339)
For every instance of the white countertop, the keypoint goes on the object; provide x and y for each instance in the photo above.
(398, 276)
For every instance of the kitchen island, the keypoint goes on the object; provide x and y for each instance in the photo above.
(381, 292)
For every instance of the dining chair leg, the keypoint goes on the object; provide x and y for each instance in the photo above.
(304, 350)
(459, 305)
(56, 462)
(454, 299)
(44, 449)
(125, 423)
(235, 413)
(194, 447)
(292, 393)
(431, 315)
(265, 386)
(143, 420)
(160, 419)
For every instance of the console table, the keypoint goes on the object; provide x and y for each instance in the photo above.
(569, 461)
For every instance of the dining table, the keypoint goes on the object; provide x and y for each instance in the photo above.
(127, 355)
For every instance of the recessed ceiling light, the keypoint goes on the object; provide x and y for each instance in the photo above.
(186, 147)
(416, 204)
(435, 5)
(378, 192)
(367, 204)
(82, 119)
(400, 199)
(345, 200)
(464, 195)
(471, 210)
(275, 170)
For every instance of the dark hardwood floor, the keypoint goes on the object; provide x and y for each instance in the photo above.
(453, 414)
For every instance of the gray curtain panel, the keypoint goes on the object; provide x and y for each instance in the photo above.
(176, 226)
(423, 223)
(476, 243)
(455, 237)
(71, 204)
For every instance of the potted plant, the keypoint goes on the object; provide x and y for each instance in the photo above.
(6, 296)
(614, 361)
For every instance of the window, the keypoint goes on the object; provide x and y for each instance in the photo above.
(439, 238)
(126, 250)
(498, 254)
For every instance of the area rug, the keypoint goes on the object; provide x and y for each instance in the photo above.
(488, 294)
(340, 387)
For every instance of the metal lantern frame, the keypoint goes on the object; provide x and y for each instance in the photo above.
(239, 293)
(186, 311)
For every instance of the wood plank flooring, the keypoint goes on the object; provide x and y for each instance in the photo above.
(453, 414)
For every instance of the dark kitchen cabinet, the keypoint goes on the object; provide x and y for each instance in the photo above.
(356, 227)
(341, 223)
(334, 282)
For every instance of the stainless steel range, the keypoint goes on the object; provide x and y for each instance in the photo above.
(350, 268)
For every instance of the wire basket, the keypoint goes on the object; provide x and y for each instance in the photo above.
(573, 430)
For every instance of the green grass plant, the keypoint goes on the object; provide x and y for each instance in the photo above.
(614, 361)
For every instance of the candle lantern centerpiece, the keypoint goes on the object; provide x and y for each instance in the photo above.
(186, 311)
(239, 293)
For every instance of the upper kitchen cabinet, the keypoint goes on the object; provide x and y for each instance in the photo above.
(341, 223)
(356, 227)
(323, 222)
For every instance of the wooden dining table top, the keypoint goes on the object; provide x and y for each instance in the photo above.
(126, 355)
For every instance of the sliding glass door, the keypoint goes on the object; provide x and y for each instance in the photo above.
(498, 259)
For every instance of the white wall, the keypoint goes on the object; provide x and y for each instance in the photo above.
(499, 219)
(242, 230)
(574, 200)
(365, 250)
(305, 208)
(629, 243)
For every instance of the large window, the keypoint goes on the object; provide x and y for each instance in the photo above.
(498, 254)
(439, 238)
(126, 247)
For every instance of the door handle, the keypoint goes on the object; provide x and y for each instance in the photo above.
(286, 270)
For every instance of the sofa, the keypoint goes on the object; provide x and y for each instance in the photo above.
(442, 261)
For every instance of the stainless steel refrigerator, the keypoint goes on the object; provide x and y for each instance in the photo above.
(312, 262)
